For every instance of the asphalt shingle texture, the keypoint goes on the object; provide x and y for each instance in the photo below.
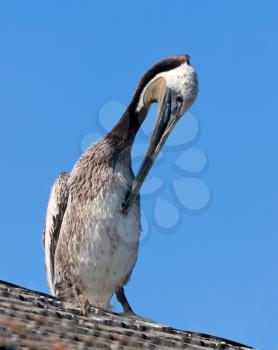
(34, 320)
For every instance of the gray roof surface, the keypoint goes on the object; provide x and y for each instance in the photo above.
(34, 320)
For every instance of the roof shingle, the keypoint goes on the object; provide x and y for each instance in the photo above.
(34, 320)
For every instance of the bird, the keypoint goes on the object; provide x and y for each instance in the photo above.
(92, 226)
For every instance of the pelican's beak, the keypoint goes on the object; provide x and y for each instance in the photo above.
(169, 108)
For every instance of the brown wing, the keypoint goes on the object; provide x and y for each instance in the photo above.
(57, 205)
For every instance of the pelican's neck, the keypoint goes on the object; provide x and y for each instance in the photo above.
(130, 122)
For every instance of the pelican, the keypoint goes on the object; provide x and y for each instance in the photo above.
(92, 226)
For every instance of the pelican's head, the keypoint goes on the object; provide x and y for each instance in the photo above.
(175, 82)
(172, 84)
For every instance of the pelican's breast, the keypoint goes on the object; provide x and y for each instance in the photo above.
(109, 245)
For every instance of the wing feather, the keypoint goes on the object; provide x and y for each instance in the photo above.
(57, 205)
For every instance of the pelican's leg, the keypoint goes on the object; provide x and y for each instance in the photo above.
(120, 294)
(84, 305)
(82, 300)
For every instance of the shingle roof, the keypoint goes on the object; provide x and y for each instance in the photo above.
(34, 320)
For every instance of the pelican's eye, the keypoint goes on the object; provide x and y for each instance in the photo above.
(179, 99)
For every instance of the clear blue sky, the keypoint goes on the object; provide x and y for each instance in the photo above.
(216, 270)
